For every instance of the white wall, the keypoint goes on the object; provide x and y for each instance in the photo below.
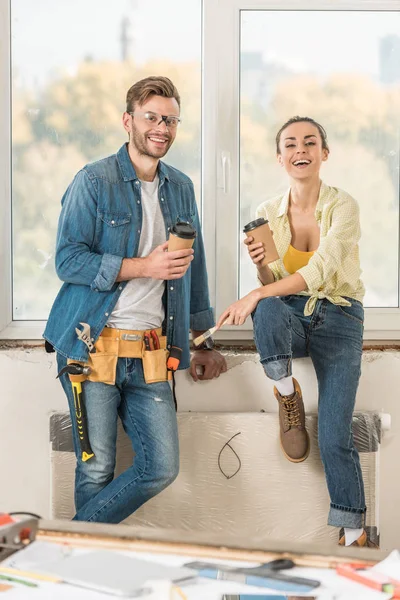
(29, 392)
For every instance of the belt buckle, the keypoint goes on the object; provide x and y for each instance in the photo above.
(131, 337)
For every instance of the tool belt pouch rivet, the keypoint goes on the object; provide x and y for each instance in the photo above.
(155, 365)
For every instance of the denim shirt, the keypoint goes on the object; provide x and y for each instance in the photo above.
(99, 225)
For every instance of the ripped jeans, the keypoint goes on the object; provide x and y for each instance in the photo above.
(147, 413)
(332, 337)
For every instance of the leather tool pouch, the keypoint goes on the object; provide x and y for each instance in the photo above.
(103, 362)
(155, 363)
(104, 367)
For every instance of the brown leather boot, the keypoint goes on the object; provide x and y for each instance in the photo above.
(362, 542)
(295, 442)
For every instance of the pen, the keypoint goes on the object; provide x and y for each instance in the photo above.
(15, 580)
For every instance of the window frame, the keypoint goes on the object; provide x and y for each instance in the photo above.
(5, 173)
(220, 161)
(380, 323)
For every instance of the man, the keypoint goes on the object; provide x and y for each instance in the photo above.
(126, 298)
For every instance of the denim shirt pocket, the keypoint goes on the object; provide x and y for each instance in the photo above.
(113, 231)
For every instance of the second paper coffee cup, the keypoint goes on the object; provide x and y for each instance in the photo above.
(260, 231)
(181, 236)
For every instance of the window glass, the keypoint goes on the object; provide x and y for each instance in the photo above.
(72, 64)
(341, 68)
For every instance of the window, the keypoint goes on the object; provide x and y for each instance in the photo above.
(68, 91)
(340, 67)
(236, 64)
(292, 64)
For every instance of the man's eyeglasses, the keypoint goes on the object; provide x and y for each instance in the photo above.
(155, 119)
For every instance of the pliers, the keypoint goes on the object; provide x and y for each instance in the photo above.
(156, 341)
(146, 339)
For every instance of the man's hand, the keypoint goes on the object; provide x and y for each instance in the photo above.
(161, 264)
(213, 364)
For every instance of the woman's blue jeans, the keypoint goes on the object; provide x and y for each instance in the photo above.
(332, 337)
(147, 412)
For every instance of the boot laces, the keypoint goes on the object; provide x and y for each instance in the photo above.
(291, 411)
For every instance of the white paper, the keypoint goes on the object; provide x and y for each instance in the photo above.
(333, 586)
(37, 553)
(390, 566)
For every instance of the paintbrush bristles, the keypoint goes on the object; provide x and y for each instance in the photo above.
(204, 336)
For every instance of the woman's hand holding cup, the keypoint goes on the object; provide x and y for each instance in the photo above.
(262, 248)
(255, 249)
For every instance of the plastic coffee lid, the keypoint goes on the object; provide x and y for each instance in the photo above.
(254, 224)
(184, 230)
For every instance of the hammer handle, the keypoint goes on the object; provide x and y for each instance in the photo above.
(81, 421)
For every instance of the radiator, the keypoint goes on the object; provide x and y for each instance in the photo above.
(244, 487)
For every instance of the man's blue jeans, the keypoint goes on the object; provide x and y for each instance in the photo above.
(332, 337)
(147, 412)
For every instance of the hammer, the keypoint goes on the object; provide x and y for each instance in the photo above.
(75, 371)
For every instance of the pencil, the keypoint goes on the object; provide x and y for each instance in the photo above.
(10, 579)
(177, 590)
(29, 574)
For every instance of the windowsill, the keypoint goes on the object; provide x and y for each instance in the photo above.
(221, 346)
(20, 333)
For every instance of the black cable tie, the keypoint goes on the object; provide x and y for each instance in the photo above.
(235, 453)
(27, 514)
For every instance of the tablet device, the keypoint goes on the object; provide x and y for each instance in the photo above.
(114, 573)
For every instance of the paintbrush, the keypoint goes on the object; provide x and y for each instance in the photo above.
(204, 336)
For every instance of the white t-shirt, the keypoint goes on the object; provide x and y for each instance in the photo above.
(140, 304)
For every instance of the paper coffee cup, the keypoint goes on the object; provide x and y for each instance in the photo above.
(181, 236)
(260, 231)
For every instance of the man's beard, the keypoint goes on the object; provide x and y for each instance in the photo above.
(138, 140)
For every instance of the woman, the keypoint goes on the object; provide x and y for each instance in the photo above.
(310, 304)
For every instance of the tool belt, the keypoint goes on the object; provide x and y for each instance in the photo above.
(113, 344)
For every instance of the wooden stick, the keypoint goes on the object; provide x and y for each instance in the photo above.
(194, 550)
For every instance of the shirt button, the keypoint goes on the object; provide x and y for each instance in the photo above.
(171, 318)
(112, 222)
(137, 183)
(171, 288)
(138, 230)
(106, 314)
(120, 287)
(138, 201)
(169, 346)
(162, 199)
